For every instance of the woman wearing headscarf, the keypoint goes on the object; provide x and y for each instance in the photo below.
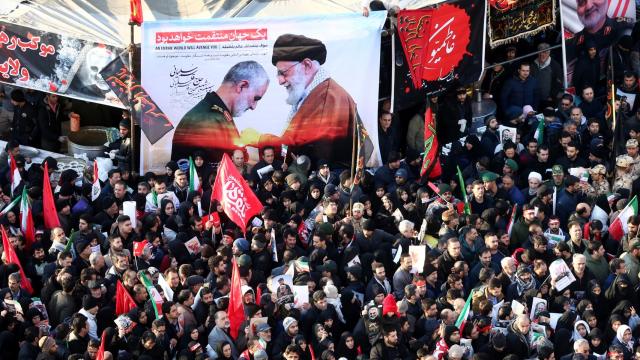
(628, 312)
(347, 347)
(613, 324)
(621, 289)
(562, 344)
(450, 337)
(596, 341)
(596, 295)
(625, 340)
(581, 330)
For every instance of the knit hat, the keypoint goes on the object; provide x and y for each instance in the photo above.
(498, 340)
(456, 351)
(242, 244)
(260, 355)
(389, 305)
(89, 302)
(288, 321)
(330, 190)
(17, 95)
(331, 291)
(402, 173)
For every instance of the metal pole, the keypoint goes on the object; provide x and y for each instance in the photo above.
(393, 66)
(523, 57)
(132, 45)
(564, 49)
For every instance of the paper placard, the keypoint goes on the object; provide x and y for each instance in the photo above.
(193, 246)
(496, 308)
(265, 170)
(96, 249)
(517, 307)
(129, 209)
(398, 252)
(418, 254)
(538, 305)
(561, 274)
(553, 319)
(256, 222)
(300, 295)
(354, 261)
(282, 279)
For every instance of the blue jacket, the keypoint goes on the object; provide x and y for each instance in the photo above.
(516, 92)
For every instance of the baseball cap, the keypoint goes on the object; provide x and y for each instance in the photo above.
(557, 170)
(262, 327)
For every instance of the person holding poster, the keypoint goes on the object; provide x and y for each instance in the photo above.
(210, 122)
(323, 114)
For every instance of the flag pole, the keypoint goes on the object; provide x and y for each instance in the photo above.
(354, 157)
(393, 65)
(564, 49)
(132, 134)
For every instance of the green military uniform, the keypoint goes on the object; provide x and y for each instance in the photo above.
(208, 127)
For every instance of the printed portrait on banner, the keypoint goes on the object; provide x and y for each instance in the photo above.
(305, 83)
(590, 28)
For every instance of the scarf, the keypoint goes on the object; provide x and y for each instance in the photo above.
(524, 286)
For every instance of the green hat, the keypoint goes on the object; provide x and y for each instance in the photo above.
(443, 188)
(325, 229)
(512, 164)
(557, 170)
(489, 176)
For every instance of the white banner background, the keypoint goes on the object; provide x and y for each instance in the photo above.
(353, 60)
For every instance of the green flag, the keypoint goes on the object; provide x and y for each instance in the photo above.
(463, 188)
(10, 206)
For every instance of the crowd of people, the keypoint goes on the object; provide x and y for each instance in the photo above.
(513, 252)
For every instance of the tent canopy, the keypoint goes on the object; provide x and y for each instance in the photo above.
(106, 21)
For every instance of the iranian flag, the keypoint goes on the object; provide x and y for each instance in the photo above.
(154, 295)
(618, 227)
(15, 175)
(194, 181)
(464, 314)
(10, 206)
(26, 220)
(95, 186)
(539, 134)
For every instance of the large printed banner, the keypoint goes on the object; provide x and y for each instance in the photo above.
(55, 63)
(512, 20)
(443, 47)
(245, 83)
(593, 24)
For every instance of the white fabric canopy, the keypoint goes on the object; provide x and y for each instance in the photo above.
(105, 21)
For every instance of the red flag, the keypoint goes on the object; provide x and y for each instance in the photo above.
(124, 301)
(136, 12)
(236, 308)
(48, 204)
(138, 247)
(237, 199)
(413, 31)
(103, 340)
(11, 257)
(430, 162)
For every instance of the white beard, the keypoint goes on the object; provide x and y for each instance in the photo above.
(296, 88)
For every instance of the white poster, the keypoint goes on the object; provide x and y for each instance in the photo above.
(244, 83)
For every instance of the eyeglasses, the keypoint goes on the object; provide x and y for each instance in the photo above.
(284, 72)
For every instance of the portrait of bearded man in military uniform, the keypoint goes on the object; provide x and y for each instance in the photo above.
(209, 125)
